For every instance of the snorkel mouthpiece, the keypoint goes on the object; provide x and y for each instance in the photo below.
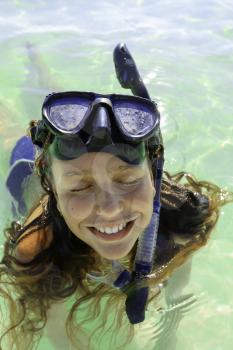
(135, 304)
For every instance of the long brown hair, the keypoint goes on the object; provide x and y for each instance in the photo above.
(190, 209)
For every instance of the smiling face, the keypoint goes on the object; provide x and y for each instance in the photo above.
(97, 192)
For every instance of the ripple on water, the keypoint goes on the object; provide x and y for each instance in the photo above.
(163, 318)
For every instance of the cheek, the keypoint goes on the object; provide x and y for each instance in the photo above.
(144, 194)
(142, 202)
(74, 208)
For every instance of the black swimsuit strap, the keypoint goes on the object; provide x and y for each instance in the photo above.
(40, 219)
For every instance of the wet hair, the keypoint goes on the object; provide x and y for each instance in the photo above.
(190, 210)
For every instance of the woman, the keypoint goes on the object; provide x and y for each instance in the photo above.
(110, 225)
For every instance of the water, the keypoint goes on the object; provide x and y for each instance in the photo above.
(184, 50)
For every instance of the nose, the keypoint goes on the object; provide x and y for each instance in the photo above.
(101, 123)
(100, 128)
(109, 204)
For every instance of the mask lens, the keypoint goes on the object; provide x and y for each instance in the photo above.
(136, 118)
(67, 113)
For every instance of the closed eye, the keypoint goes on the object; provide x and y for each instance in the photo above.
(123, 183)
(80, 189)
(129, 180)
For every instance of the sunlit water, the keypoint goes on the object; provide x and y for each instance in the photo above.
(184, 50)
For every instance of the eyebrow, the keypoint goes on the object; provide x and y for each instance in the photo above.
(87, 172)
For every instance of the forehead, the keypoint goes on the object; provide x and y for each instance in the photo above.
(94, 161)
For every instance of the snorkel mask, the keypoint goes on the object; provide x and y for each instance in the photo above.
(127, 126)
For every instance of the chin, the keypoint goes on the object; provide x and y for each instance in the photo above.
(114, 253)
(114, 256)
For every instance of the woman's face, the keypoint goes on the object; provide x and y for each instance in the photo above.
(98, 192)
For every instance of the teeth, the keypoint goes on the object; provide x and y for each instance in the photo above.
(109, 230)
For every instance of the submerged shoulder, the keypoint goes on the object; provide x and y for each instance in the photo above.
(33, 239)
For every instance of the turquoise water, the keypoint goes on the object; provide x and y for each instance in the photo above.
(184, 50)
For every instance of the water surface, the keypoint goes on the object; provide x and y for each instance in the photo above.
(184, 50)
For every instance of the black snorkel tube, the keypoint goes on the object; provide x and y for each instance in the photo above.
(137, 295)
(127, 72)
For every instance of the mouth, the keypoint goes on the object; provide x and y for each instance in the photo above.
(113, 236)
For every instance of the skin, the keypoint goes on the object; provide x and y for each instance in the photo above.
(103, 197)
